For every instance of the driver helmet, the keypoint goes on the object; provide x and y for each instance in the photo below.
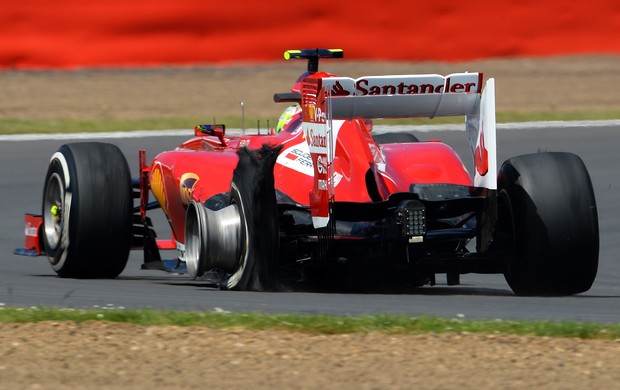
(287, 115)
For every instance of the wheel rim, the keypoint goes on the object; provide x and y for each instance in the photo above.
(236, 276)
(192, 242)
(53, 210)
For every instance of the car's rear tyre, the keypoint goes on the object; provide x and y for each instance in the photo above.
(554, 223)
(394, 138)
(87, 211)
(253, 192)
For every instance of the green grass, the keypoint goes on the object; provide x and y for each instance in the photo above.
(47, 126)
(321, 324)
(25, 126)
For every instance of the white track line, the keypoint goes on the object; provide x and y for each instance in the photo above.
(500, 126)
(379, 129)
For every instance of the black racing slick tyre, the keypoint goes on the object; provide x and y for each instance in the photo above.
(550, 201)
(253, 192)
(87, 211)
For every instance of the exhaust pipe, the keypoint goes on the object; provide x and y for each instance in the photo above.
(213, 239)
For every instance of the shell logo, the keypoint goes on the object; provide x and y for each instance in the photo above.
(311, 111)
(157, 187)
(186, 186)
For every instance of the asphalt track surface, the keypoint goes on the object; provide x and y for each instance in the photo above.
(29, 281)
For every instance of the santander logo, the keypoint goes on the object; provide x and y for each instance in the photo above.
(317, 140)
(405, 85)
(362, 88)
(338, 90)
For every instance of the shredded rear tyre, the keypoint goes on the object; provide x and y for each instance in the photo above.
(253, 192)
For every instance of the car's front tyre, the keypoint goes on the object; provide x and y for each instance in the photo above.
(87, 211)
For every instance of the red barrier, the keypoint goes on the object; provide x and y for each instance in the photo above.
(75, 33)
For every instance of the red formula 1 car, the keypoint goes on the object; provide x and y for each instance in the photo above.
(321, 193)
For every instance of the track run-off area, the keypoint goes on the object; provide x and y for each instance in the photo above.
(30, 281)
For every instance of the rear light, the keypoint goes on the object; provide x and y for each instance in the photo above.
(412, 218)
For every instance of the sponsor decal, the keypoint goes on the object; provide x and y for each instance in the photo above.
(338, 90)
(31, 231)
(317, 115)
(316, 137)
(157, 187)
(363, 88)
(482, 155)
(186, 186)
(317, 140)
(336, 179)
(321, 164)
(405, 85)
(298, 159)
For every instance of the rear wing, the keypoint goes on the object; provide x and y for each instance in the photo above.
(398, 96)
(403, 96)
